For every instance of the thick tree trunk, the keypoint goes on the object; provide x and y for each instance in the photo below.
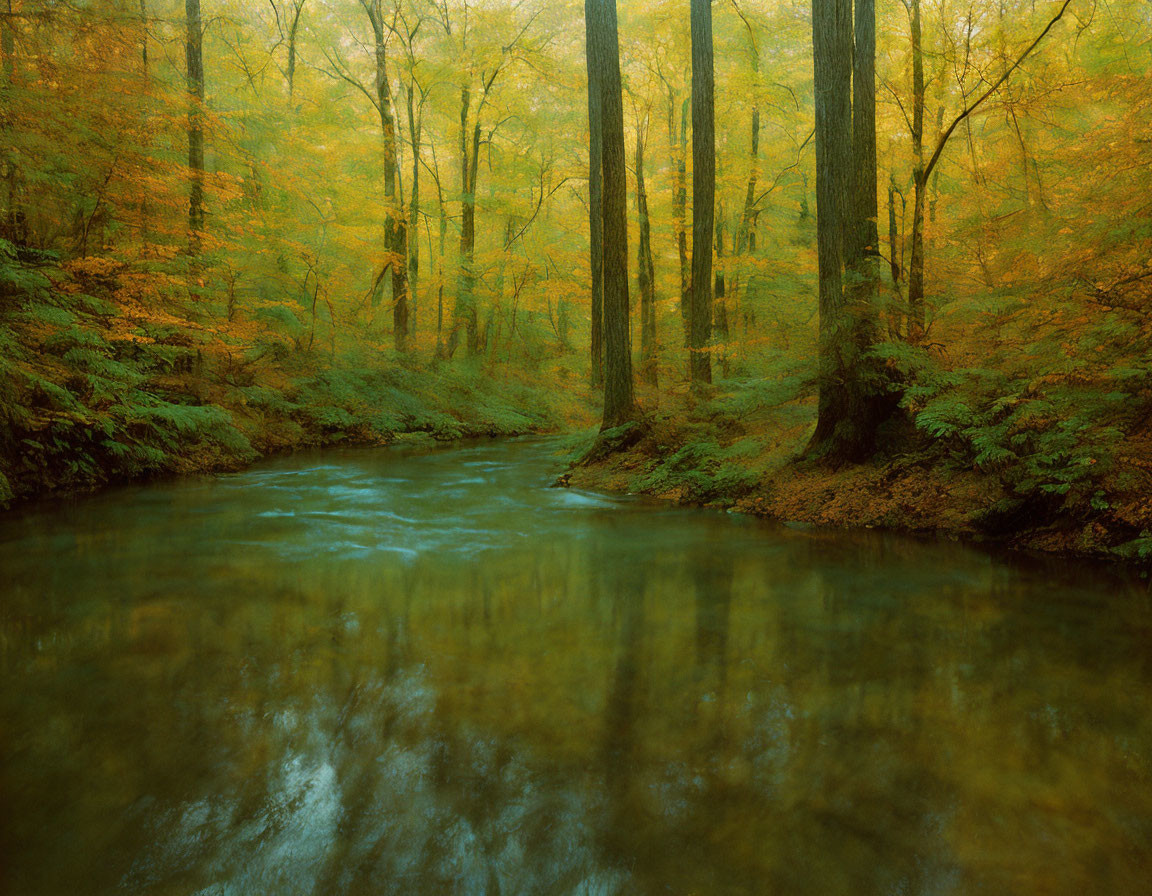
(595, 199)
(646, 274)
(703, 192)
(619, 402)
(852, 401)
(194, 54)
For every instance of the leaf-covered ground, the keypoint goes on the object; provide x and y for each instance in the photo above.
(1075, 492)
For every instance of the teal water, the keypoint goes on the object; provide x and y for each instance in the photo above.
(387, 671)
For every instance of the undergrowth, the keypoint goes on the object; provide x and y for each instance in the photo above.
(93, 390)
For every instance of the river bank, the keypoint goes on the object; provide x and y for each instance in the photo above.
(111, 373)
(329, 409)
(919, 490)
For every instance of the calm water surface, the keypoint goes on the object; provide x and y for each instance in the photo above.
(390, 672)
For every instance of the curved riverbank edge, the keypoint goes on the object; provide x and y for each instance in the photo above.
(905, 494)
(32, 493)
(913, 493)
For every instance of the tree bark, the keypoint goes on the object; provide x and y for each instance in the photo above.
(646, 273)
(293, 31)
(466, 283)
(678, 146)
(145, 77)
(746, 239)
(703, 192)
(832, 59)
(864, 131)
(720, 293)
(194, 55)
(415, 135)
(395, 226)
(595, 198)
(619, 402)
(143, 35)
(917, 320)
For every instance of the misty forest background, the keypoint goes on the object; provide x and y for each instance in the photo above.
(233, 228)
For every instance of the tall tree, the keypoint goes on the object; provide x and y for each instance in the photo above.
(645, 267)
(595, 198)
(746, 238)
(703, 191)
(604, 55)
(852, 398)
(478, 91)
(678, 112)
(416, 96)
(832, 64)
(194, 54)
(916, 316)
(395, 223)
(865, 207)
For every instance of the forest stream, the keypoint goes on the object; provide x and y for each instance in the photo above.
(410, 671)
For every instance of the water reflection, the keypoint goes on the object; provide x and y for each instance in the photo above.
(387, 673)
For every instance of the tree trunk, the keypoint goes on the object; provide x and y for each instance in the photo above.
(145, 77)
(746, 240)
(646, 274)
(895, 258)
(619, 403)
(895, 241)
(415, 129)
(864, 132)
(720, 295)
(595, 199)
(441, 350)
(395, 226)
(195, 76)
(679, 148)
(832, 60)
(293, 31)
(143, 36)
(466, 284)
(916, 316)
(703, 192)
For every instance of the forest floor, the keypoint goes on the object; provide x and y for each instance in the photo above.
(696, 460)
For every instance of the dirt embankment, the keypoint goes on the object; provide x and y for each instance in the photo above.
(917, 492)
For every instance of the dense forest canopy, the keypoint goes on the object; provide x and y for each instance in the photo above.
(239, 226)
